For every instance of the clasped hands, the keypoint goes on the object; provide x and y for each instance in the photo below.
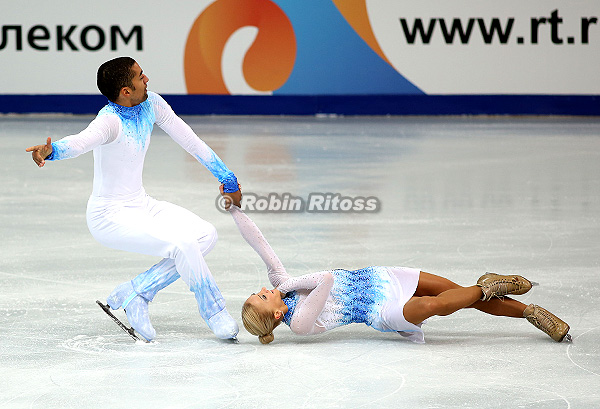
(232, 198)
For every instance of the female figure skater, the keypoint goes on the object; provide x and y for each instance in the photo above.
(388, 299)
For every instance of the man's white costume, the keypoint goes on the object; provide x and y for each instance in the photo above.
(121, 215)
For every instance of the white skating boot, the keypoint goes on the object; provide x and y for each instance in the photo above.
(136, 308)
(223, 325)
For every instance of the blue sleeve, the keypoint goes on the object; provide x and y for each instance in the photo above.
(181, 133)
(216, 166)
(59, 151)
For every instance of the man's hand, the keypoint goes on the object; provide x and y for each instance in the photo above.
(234, 197)
(39, 153)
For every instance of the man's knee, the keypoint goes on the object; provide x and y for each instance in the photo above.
(197, 241)
(208, 238)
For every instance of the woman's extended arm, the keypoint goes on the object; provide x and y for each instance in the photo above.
(316, 285)
(254, 237)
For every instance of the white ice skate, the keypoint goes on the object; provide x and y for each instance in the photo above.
(223, 325)
(136, 309)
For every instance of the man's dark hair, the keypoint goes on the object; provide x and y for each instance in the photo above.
(113, 75)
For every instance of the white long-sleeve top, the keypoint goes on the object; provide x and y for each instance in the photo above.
(119, 137)
(324, 300)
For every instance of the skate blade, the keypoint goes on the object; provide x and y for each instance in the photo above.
(534, 283)
(117, 321)
(567, 338)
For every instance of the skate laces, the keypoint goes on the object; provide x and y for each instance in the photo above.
(543, 320)
(553, 326)
(498, 286)
(506, 285)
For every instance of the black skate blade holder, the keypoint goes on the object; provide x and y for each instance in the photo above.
(117, 321)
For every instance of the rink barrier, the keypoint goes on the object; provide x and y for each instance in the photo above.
(324, 105)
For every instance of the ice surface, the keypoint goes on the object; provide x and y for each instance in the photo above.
(460, 196)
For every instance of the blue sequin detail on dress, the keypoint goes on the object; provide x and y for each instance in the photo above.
(290, 299)
(360, 294)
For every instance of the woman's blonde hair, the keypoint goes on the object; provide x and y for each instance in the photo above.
(257, 323)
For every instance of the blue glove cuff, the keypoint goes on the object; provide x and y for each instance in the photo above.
(230, 184)
(51, 156)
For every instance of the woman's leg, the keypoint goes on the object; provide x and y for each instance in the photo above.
(437, 295)
(432, 285)
(419, 308)
(506, 307)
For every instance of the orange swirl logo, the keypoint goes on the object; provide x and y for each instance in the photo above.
(218, 53)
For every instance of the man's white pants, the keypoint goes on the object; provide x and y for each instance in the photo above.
(144, 225)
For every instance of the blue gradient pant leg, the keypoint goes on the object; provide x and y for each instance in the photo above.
(144, 225)
(157, 277)
(164, 273)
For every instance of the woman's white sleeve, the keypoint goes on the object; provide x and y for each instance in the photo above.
(254, 237)
(305, 320)
(305, 282)
(183, 134)
(102, 130)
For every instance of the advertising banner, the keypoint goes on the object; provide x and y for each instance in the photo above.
(307, 48)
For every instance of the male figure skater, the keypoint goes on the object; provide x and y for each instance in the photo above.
(121, 215)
